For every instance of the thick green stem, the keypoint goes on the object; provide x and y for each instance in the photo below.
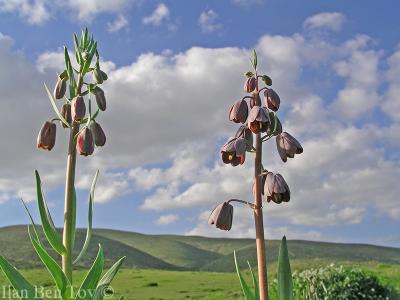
(259, 224)
(69, 194)
(68, 211)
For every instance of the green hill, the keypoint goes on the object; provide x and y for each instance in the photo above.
(174, 252)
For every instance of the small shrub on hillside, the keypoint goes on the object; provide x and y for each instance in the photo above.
(339, 283)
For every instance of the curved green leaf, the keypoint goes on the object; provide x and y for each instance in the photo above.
(106, 280)
(255, 283)
(285, 289)
(47, 222)
(53, 104)
(24, 289)
(33, 222)
(62, 282)
(245, 288)
(89, 285)
(70, 71)
(90, 219)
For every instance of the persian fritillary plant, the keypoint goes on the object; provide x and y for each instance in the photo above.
(79, 116)
(259, 112)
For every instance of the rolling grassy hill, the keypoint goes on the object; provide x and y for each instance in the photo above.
(191, 253)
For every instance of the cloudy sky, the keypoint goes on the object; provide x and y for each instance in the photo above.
(175, 67)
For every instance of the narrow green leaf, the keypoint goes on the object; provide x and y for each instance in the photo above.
(47, 222)
(90, 219)
(90, 57)
(24, 289)
(78, 55)
(255, 283)
(89, 285)
(53, 103)
(254, 59)
(106, 280)
(81, 42)
(85, 37)
(245, 288)
(70, 71)
(62, 282)
(285, 289)
(33, 222)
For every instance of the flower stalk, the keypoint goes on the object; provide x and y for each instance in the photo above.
(260, 117)
(69, 194)
(258, 218)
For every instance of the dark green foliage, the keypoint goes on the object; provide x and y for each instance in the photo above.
(339, 283)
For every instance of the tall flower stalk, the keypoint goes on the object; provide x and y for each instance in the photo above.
(262, 121)
(84, 133)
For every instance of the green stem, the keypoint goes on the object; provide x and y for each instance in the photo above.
(258, 218)
(69, 194)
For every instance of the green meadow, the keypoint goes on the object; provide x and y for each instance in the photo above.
(177, 267)
(174, 285)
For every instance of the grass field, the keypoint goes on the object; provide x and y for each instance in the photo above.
(137, 284)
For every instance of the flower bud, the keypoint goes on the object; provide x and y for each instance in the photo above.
(85, 55)
(234, 151)
(222, 216)
(287, 146)
(258, 119)
(239, 112)
(47, 136)
(78, 108)
(100, 98)
(250, 84)
(84, 143)
(98, 134)
(66, 113)
(276, 188)
(60, 88)
(97, 76)
(244, 132)
(272, 100)
(104, 75)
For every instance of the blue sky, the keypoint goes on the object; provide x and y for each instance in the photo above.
(175, 68)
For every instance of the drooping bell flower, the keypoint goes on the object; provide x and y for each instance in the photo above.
(275, 127)
(234, 151)
(276, 188)
(85, 143)
(100, 98)
(66, 113)
(98, 134)
(239, 111)
(258, 120)
(250, 84)
(222, 216)
(78, 108)
(272, 100)
(60, 88)
(47, 136)
(245, 132)
(287, 146)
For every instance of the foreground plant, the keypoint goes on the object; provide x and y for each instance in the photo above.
(84, 133)
(262, 121)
